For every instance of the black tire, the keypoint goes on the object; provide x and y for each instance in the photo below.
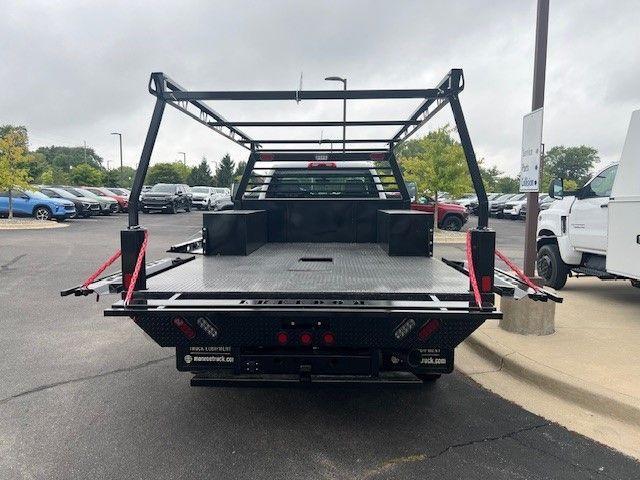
(42, 213)
(172, 208)
(428, 377)
(550, 266)
(144, 210)
(452, 223)
(635, 283)
(187, 208)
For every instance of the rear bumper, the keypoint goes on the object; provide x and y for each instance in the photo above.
(222, 379)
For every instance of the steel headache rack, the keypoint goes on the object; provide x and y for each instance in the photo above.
(315, 271)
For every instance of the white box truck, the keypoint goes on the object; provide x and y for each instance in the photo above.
(595, 231)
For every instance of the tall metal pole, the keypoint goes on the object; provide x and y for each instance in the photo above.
(539, 71)
(184, 157)
(119, 138)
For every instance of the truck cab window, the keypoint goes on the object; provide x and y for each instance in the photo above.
(601, 185)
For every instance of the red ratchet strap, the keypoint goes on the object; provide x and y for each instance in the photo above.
(472, 272)
(136, 271)
(101, 269)
(519, 272)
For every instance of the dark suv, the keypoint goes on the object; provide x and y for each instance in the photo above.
(168, 197)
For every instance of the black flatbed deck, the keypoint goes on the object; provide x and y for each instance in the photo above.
(313, 269)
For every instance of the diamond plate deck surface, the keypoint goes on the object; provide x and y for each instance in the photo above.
(276, 267)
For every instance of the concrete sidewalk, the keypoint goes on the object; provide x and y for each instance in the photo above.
(586, 376)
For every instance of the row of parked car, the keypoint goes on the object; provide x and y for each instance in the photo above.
(172, 197)
(60, 202)
(505, 205)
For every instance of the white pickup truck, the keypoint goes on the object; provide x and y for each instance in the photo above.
(595, 231)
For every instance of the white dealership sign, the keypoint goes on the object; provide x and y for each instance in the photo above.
(531, 151)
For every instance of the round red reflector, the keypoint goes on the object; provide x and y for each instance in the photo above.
(283, 338)
(306, 338)
(329, 338)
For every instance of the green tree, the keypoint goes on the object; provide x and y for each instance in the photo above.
(570, 163)
(436, 162)
(66, 158)
(237, 175)
(506, 184)
(54, 176)
(85, 174)
(14, 160)
(200, 175)
(167, 173)
(119, 177)
(224, 172)
(490, 178)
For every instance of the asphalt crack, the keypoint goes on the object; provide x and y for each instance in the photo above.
(565, 461)
(7, 266)
(421, 457)
(49, 386)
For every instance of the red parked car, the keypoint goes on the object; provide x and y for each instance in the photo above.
(450, 215)
(123, 202)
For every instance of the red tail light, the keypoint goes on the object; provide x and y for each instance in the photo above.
(322, 165)
(184, 327)
(428, 329)
(329, 338)
(283, 338)
(486, 283)
(306, 338)
(266, 157)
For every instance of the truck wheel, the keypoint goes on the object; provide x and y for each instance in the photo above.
(428, 377)
(172, 208)
(188, 207)
(42, 213)
(551, 267)
(635, 283)
(451, 222)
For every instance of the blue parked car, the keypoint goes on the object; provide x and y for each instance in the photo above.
(35, 204)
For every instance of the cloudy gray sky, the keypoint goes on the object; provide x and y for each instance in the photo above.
(76, 71)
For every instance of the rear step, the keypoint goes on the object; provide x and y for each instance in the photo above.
(228, 379)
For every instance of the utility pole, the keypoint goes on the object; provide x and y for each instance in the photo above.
(344, 110)
(184, 157)
(120, 138)
(84, 152)
(539, 71)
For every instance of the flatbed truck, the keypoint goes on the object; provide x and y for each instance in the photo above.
(321, 273)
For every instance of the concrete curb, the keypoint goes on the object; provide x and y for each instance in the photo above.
(588, 396)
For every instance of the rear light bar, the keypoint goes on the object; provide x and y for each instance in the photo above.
(322, 165)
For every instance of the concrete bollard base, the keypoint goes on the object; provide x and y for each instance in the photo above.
(527, 317)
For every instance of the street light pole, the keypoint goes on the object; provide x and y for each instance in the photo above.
(344, 110)
(120, 138)
(184, 157)
(539, 73)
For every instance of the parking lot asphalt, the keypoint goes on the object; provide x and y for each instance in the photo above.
(88, 396)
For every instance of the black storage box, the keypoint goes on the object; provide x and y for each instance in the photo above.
(234, 232)
(406, 232)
